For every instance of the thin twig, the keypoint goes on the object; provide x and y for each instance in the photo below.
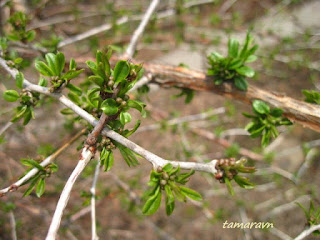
(13, 226)
(307, 232)
(94, 235)
(46, 162)
(5, 127)
(279, 234)
(138, 32)
(85, 158)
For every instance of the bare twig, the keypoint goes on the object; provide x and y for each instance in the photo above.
(184, 119)
(307, 232)
(94, 235)
(5, 127)
(138, 32)
(279, 234)
(307, 163)
(13, 226)
(85, 158)
(47, 161)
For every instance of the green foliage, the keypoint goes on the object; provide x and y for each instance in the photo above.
(39, 178)
(311, 96)
(312, 215)
(54, 67)
(51, 44)
(168, 180)
(18, 22)
(233, 68)
(265, 121)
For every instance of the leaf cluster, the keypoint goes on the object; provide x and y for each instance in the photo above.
(233, 67)
(265, 121)
(311, 96)
(54, 67)
(28, 100)
(168, 180)
(39, 178)
(18, 22)
(229, 169)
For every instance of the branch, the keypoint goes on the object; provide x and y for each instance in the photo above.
(85, 158)
(307, 232)
(13, 187)
(306, 114)
(138, 32)
(94, 235)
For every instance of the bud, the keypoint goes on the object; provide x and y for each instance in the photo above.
(163, 182)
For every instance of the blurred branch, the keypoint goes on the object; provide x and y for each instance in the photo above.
(86, 155)
(13, 225)
(307, 232)
(47, 161)
(94, 235)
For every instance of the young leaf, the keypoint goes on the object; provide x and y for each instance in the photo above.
(229, 186)
(74, 98)
(125, 118)
(51, 60)
(127, 133)
(190, 193)
(167, 167)
(245, 71)
(153, 203)
(137, 105)
(233, 47)
(121, 71)
(72, 64)
(20, 113)
(241, 83)
(19, 80)
(261, 107)
(71, 74)
(60, 62)
(11, 95)
(32, 185)
(170, 201)
(40, 187)
(44, 69)
(74, 89)
(109, 107)
(43, 82)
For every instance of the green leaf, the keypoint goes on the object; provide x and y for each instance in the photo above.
(127, 154)
(67, 111)
(245, 71)
(72, 64)
(19, 80)
(229, 186)
(153, 203)
(183, 178)
(107, 159)
(20, 113)
(168, 167)
(233, 47)
(190, 193)
(40, 187)
(74, 89)
(97, 80)
(261, 107)
(31, 186)
(241, 83)
(60, 62)
(74, 98)
(109, 107)
(276, 112)
(28, 115)
(71, 74)
(43, 82)
(138, 105)
(11, 95)
(31, 35)
(251, 58)
(32, 163)
(235, 63)
(51, 60)
(243, 182)
(121, 71)
(256, 132)
(170, 201)
(127, 133)
(44, 69)
(125, 118)
(92, 65)
(93, 97)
